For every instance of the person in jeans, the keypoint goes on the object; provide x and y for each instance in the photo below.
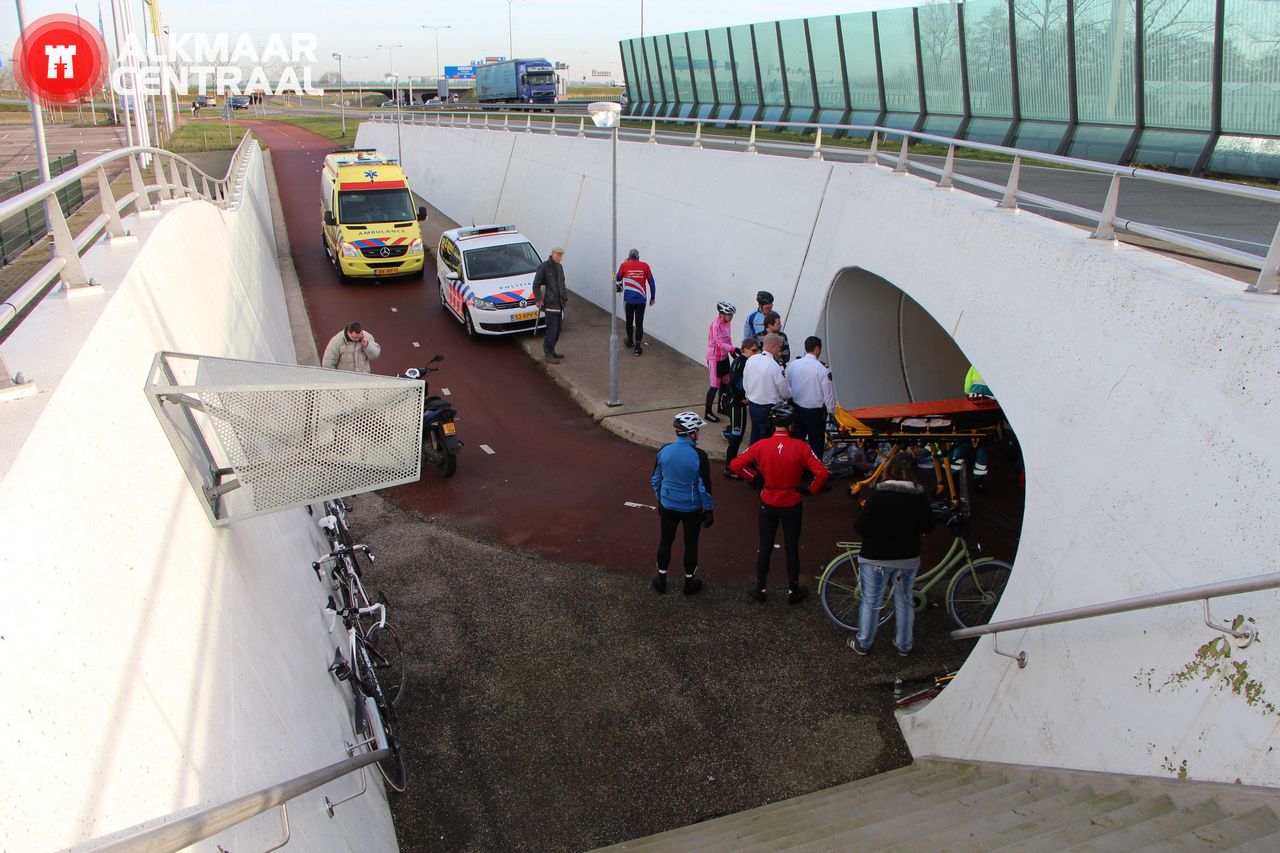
(896, 515)
(635, 283)
(351, 349)
(682, 484)
(737, 403)
(778, 466)
(550, 293)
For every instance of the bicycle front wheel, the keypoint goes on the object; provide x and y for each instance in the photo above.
(386, 654)
(392, 767)
(841, 593)
(975, 591)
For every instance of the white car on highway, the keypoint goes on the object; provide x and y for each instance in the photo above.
(485, 275)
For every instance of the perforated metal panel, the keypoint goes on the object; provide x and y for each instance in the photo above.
(256, 437)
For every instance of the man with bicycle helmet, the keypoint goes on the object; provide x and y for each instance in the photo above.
(682, 483)
(778, 465)
(754, 327)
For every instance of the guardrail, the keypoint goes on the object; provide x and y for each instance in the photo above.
(1106, 223)
(1242, 631)
(175, 179)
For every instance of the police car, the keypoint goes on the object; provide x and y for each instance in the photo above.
(486, 279)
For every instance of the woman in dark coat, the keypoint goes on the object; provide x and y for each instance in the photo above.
(896, 516)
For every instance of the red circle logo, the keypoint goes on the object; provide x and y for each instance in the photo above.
(60, 59)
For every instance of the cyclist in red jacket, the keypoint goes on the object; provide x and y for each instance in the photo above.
(778, 464)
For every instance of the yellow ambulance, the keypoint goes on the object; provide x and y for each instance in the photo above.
(370, 225)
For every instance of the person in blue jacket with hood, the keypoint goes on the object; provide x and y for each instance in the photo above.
(682, 483)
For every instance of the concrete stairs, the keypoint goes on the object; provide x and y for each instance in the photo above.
(940, 804)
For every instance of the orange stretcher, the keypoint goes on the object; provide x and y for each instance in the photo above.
(935, 425)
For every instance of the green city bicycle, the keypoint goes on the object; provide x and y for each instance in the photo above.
(972, 594)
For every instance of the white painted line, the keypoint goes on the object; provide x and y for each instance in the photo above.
(416, 345)
(487, 449)
(445, 392)
(395, 310)
(634, 505)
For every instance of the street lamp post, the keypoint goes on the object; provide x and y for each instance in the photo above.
(394, 79)
(391, 67)
(437, 32)
(511, 53)
(342, 96)
(359, 81)
(37, 118)
(607, 114)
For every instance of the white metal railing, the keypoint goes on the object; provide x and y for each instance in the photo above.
(1244, 633)
(1106, 222)
(182, 832)
(174, 178)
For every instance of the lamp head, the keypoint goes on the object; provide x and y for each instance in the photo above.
(605, 113)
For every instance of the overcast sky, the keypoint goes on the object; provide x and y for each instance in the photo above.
(570, 31)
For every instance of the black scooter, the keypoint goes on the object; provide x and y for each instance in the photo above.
(440, 442)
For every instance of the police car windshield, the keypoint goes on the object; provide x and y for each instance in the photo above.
(364, 207)
(500, 261)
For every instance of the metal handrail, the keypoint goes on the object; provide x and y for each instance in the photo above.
(1106, 221)
(1243, 633)
(67, 250)
(196, 827)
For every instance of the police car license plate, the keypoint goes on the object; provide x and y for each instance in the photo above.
(386, 271)
(528, 315)
(449, 428)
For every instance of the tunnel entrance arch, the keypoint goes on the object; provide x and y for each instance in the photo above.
(883, 347)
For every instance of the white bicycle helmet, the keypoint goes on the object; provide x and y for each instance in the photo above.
(687, 423)
(724, 306)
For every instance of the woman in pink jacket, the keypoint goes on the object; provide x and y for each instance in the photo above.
(719, 348)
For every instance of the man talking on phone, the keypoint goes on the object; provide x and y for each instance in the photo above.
(351, 349)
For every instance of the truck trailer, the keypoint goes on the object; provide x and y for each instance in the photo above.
(516, 81)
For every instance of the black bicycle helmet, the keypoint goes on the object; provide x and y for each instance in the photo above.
(764, 297)
(782, 415)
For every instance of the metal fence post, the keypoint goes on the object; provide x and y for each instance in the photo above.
(582, 126)
(751, 141)
(115, 228)
(64, 246)
(1269, 276)
(948, 168)
(874, 151)
(143, 202)
(653, 131)
(817, 146)
(697, 135)
(192, 190)
(161, 180)
(553, 124)
(1010, 200)
(1106, 229)
(901, 168)
(175, 179)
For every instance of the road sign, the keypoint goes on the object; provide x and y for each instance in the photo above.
(459, 72)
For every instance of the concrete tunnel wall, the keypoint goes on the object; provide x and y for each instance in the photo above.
(156, 665)
(1143, 390)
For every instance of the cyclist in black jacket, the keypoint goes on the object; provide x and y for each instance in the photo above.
(737, 403)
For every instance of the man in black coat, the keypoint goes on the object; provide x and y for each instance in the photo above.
(551, 295)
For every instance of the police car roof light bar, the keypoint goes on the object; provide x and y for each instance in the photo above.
(484, 231)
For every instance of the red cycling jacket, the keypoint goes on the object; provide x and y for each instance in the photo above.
(782, 461)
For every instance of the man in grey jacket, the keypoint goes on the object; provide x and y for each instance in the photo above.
(551, 295)
(351, 349)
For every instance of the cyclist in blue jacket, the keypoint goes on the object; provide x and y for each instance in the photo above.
(682, 483)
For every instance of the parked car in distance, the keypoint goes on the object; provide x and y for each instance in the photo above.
(239, 102)
(485, 276)
(201, 101)
(388, 105)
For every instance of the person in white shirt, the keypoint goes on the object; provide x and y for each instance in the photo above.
(813, 395)
(765, 386)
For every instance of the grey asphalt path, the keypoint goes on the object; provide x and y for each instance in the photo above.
(18, 151)
(555, 706)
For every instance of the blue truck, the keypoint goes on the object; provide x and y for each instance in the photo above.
(516, 81)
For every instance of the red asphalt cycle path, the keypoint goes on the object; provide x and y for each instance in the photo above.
(557, 483)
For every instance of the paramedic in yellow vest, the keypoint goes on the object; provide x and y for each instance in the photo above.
(974, 386)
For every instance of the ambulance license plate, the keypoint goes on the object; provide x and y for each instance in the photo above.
(449, 428)
(386, 271)
(527, 315)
